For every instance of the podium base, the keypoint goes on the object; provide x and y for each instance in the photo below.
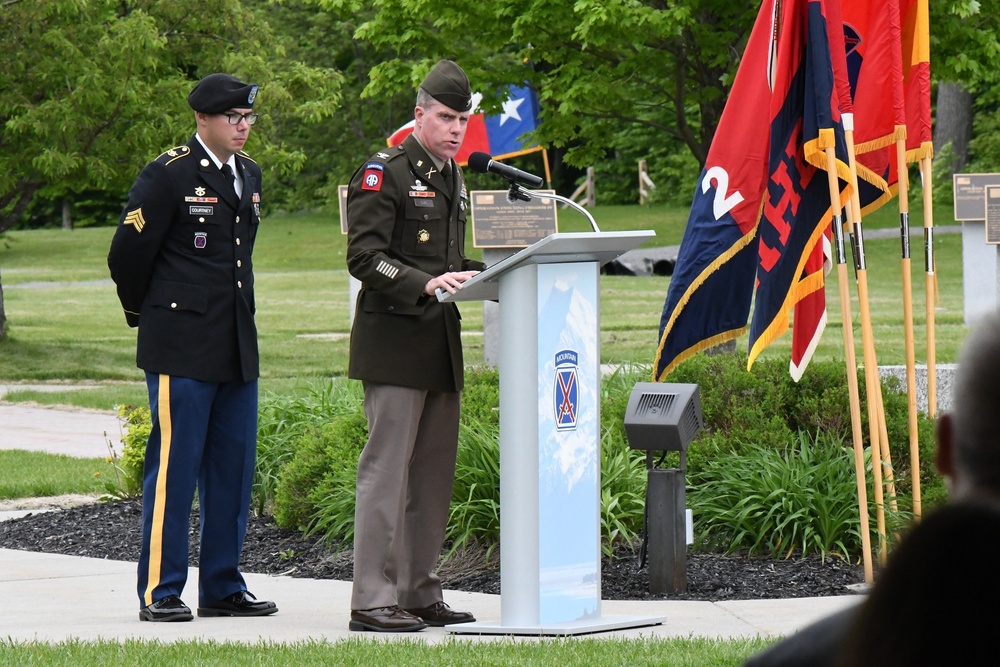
(581, 627)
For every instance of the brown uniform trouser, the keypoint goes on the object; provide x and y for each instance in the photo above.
(405, 476)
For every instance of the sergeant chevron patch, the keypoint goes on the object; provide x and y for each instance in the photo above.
(135, 219)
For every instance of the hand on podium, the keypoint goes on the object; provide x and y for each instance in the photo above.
(449, 282)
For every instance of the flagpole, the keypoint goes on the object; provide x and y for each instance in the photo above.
(850, 360)
(931, 284)
(548, 172)
(911, 378)
(872, 382)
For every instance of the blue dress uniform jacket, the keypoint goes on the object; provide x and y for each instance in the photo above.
(181, 260)
(406, 225)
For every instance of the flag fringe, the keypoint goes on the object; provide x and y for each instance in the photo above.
(779, 324)
(683, 302)
(816, 156)
(926, 149)
(898, 134)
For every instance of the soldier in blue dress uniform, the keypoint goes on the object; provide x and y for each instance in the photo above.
(181, 259)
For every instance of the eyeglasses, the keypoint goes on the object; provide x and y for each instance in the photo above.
(236, 118)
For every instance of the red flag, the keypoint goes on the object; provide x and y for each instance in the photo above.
(875, 71)
(914, 20)
(500, 136)
(809, 320)
(708, 299)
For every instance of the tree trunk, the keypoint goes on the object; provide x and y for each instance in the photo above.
(953, 122)
(3, 316)
(67, 214)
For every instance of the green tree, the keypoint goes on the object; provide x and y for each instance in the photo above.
(92, 90)
(597, 65)
(965, 64)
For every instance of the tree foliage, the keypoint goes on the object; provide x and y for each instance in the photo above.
(92, 90)
(598, 66)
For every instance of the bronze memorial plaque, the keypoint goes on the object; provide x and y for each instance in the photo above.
(993, 214)
(970, 195)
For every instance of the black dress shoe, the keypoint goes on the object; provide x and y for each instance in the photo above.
(165, 609)
(238, 604)
(440, 613)
(385, 619)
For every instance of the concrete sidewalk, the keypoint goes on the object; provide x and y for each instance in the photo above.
(58, 598)
(79, 433)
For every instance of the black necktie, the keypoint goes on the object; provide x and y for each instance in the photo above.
(227, 173)
(446, 174)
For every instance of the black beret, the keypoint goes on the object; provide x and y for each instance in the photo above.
(449, 85)
(220, 92)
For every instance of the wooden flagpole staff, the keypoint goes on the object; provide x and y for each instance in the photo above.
(850, 361)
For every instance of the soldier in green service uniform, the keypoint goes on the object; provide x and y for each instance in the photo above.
(406, 220)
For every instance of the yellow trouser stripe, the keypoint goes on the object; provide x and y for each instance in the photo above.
(159, 506)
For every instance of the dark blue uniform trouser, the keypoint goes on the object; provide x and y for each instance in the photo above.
(204, 436)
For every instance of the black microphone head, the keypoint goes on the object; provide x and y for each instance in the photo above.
(480, 162)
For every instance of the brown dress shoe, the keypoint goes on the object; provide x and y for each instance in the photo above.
(385, 619)
(440, 613)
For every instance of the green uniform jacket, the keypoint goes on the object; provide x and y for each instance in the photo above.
(404, 227)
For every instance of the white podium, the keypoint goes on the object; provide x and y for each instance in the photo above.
(550, 434)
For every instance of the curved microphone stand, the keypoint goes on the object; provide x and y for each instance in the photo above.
(517, 192)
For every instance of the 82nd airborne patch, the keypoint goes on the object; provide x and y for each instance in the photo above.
(372, 180)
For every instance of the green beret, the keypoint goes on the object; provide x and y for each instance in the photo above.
(221, 92)
(449, 85)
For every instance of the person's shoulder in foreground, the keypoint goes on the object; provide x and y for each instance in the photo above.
(967, 454)
(931, 603)
(816, 644)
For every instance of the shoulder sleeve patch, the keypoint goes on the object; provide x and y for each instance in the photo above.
(374, 174)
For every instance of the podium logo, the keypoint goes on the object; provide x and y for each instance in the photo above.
(566, 392)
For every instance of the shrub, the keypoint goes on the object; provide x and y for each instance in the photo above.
(474, 518)
(801, 500)
(766, 407)
(136, 424)
(284, 421)
(302, 483)
(795, 437)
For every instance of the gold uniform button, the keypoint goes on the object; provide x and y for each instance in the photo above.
(201, 219)
(237, 241)
(239, 283)
(173, 305)
(239, 263)
(237, 219)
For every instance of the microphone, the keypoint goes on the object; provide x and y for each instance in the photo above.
(483, 163)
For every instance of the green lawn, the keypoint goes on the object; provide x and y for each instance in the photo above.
(64, 321)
